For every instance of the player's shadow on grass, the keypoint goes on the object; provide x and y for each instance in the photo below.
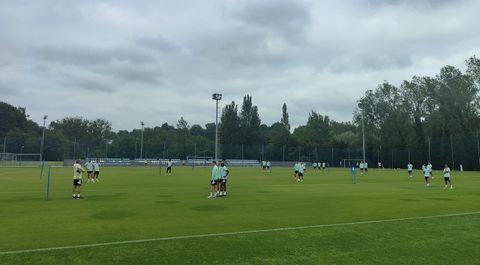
(111, 214)
(442, 199)
(208, 208)
(409, 200)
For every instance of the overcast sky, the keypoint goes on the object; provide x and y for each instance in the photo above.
(154, 61)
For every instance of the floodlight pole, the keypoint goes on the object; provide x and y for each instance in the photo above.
(217, 97)
(478, 149)
(42, 142)
(363, 137)
(451, 151)
(429, 153)
(141, 141)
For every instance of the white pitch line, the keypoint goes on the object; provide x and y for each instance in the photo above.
(231, 233)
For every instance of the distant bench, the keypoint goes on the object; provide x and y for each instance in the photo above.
(244, 163)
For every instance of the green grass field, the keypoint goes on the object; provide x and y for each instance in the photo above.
(136, 203)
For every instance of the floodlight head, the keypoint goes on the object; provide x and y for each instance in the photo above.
(216, 96)
(141, 123)
(45, 117)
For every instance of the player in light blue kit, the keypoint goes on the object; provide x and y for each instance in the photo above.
(427, 173)
(301, 171)
(447, 177)
(410, 169)
(96, 170)
(223, 183)
(213, 180)
(89, 166)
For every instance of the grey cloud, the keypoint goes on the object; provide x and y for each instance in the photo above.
(81, 55)
(9, 88)
(412, 3)
(158, 43)
(288, 19)
(88, 82)
(239, 47)
(278, 51)
(146, 74)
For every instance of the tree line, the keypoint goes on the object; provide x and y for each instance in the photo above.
(423, 113)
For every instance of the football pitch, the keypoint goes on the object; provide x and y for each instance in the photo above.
(136, 216)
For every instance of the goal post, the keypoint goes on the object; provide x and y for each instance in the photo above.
(352, 162)
(20, 160)
(199, 160)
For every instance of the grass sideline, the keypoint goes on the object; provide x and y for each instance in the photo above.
(137, 203)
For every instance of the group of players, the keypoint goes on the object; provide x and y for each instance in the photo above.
(218, 181)
(267, 165)
(299, 171)
(93, 171)
(428, 174)
(319, 165)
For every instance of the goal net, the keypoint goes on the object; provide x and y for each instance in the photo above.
(355, 162)
(19, 160)
(199, 160)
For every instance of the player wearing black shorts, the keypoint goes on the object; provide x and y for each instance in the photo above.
(213, 180)
(169, 167)
(77, 179)
(223, 183)
(96, 170)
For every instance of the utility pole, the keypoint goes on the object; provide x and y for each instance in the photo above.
(42, 142)
(217, 97)
(363, 137)
(141, 141)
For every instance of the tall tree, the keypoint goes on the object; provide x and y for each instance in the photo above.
(182, 124)
(249, 122)
(458, 101)
(417, 103)
(229, 124)
(284, 119)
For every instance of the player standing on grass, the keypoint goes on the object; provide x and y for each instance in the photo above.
(169, 167)
(223, 188)
(96, 171)
(301, 171)
(427, 173)
(219, 177)
(77, 179)
(213, 180)
(269, 166)
(89, 166)
(295, 168)
(446, 177)
(410, 169)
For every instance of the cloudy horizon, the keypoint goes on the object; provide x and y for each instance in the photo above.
(155, 61)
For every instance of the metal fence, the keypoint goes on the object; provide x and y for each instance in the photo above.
(454, 151)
